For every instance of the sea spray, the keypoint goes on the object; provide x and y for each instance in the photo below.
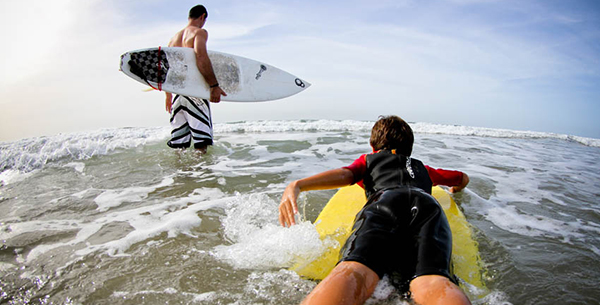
(258, 241)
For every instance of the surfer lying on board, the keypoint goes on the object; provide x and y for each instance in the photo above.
(190, 116)
(401, 231)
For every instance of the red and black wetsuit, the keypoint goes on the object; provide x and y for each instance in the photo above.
(401, 230)
(437, 176)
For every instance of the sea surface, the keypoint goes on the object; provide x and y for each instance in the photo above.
(116, 217)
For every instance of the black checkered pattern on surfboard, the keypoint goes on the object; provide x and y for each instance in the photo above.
(151, 65)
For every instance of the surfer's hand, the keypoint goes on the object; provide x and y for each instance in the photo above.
(463, 184)
(215, 94)
(168, 101)
(288, 206)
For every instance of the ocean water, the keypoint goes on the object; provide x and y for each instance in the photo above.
(116, 217)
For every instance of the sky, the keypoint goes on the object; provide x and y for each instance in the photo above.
(531, 65)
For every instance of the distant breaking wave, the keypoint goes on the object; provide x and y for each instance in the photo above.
(33, 153)
(498, 133)
(426, 128)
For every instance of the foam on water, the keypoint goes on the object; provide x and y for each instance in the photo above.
(290, 126)
(33, 153)
(259, 242)
(173, 217)
(114, 198)
(418, 127)
(536, 176)
(510, 219)
(78, 166)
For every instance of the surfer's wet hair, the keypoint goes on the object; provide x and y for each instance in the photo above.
(392, 132)
(197, 11)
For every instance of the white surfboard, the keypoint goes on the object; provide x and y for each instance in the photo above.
(244, 80)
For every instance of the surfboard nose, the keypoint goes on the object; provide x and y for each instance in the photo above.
(302, 83)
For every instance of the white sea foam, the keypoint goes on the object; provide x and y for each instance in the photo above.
(262, 284)
(33, 153)
(10, 176)
(202, 297)
(173, 217)
(498, 133)
(272, 246)
(510, 219)
(78, 166)
(496, 298)
(258, 241)
(418, 127)
(288, 126)
(383, 291)
(114, 198)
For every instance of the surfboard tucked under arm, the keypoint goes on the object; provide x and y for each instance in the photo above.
(244, 80)
(336, 219)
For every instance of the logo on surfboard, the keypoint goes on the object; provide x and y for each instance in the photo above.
(300, 83)
(262, 69)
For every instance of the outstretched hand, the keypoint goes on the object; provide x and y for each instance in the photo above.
(288, 207)
(323, 181)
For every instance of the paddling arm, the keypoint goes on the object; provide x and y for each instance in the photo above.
(330, 179)
(455, 180)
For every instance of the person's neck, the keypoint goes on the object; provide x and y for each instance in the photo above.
(195, 23)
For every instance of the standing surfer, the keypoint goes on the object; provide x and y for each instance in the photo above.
(191, 116)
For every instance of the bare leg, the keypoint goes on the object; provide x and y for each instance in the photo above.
(348, 283)
(201, 149)
(436, 289)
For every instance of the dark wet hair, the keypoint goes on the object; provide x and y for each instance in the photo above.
(392, 132)
(197, 12)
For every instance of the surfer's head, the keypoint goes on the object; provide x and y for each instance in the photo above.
(392, 132)
(197, 12)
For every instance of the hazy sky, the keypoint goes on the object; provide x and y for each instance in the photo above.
(524, 65)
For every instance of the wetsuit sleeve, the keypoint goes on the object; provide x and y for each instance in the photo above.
(358, 168)
(444, 177)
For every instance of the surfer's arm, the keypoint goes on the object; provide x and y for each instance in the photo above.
(205, 66)
(456, 180)
(326, 180)
(168, 101)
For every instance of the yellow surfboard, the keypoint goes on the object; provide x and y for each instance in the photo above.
(335, 223)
